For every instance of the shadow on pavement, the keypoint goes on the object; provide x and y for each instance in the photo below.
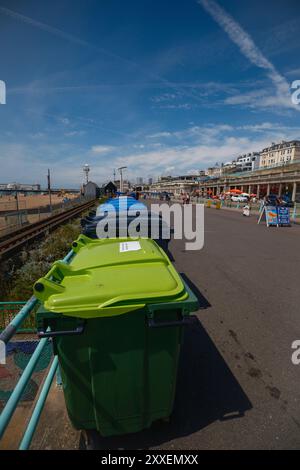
(207, 391)
(203, 302)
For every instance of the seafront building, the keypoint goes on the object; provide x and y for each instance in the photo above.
(279, 154)
(248, 162)
(275, 169)
(20, 187)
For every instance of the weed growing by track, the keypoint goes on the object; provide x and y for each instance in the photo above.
(16, 281)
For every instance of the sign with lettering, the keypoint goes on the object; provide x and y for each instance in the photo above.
(275, 215)
(283, 216)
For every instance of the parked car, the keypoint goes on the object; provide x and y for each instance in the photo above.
(239, 198)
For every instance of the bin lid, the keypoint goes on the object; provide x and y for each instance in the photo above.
(143, 211)
(153, 227)
(115, 208)
(110, 277)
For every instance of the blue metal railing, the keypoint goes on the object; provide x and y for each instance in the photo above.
(32, 425)
(16, 395)
(17, 321)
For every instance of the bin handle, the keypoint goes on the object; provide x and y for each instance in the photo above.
(46, 282)
(46, 334)
(185, 320)
(46, 286)
(58, 268)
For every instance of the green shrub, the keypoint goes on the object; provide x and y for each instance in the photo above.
(16, 283)
(38, 261)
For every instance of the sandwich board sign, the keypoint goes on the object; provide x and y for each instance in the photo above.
(271, 215)
(275, 215)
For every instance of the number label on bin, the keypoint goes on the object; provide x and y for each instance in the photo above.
(129, 246)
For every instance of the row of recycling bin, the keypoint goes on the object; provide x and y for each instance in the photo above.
(131, 218)
(115, 314)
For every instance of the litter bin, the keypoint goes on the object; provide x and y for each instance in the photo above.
(150, 225)
(122, 206)
(113, 211)
(114, 205)
(116, 315)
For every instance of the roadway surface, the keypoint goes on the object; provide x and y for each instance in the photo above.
(242, 390)
(237, 387)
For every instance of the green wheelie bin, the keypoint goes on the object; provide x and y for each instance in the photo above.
(115, 314)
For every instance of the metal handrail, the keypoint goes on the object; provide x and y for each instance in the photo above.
(14, 398)
(32, 425)
(8, 311)
(17, 321)
(16, 395)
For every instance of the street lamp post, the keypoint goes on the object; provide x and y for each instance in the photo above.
(86, 170)
(18, 208)
(121, 177)
(49, 190)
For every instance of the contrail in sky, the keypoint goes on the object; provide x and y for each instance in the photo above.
(75, 40)
(249, 49)
(60, 33)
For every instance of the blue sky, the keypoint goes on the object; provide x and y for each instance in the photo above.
(164, 87)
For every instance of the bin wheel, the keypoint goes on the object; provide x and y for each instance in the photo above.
(89, 440)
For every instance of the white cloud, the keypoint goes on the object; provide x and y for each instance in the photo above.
(262, 100)
(37, 135)
(160, 134)
(213, 143)
(139, 146)
(28, 163)
(169, 169)
(203, 133)
(248, 48)
(186, 106)
(184, 159)
(252, 97)
(74, 133)
(164, 97)
(101, 149)
(294, 72)
(267, 126)
(206, 145)
(65, 121)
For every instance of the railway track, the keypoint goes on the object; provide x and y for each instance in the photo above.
(16, 240)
